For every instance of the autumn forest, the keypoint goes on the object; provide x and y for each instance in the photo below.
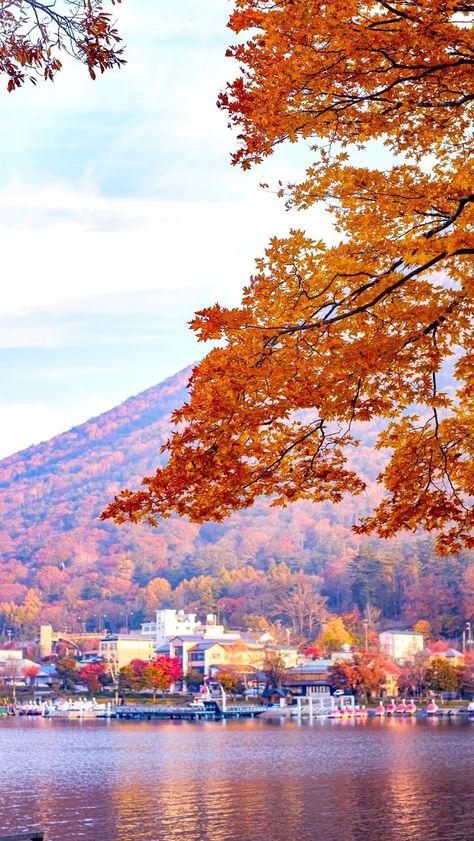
(289, 566)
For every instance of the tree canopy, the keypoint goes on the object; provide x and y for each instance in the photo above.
(329, 337)
(34, 34)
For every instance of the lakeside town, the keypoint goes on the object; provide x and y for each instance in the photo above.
(179, 655)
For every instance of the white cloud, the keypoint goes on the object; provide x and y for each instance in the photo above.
(23, 424)
(120, 216)
(77, 245)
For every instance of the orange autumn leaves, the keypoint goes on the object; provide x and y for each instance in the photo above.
(327, 337)
(36, 36)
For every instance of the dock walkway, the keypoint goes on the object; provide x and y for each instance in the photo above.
(210, 711)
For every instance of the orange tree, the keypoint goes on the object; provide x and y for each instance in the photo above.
(230, 681)
(34, 34)
(363, 675)
(331, 335)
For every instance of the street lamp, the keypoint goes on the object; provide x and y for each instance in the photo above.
(366, 629)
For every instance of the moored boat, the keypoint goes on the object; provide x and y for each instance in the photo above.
(5, 711)
(390, 708)
(80, 708)
(361, 712)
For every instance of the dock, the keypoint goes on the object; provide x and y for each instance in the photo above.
(208, 711)
(34, 835)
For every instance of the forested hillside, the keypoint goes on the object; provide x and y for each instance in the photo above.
(60, 563)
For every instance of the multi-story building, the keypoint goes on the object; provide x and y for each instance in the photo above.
(402, 646)
(171, 623)
(120, 649)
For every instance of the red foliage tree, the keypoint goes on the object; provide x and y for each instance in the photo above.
(161, 673)
(31, 672)
(90, 676)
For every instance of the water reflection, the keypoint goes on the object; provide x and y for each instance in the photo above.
(337, 781)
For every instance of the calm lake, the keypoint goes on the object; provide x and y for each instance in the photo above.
(238, 781)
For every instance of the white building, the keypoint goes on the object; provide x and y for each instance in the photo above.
(176, 623)
(10, 654)
(401, 645)
(13, 666)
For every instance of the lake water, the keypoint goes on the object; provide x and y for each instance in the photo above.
(255, 780)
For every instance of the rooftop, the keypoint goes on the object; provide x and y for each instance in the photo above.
(202, 638)
(203, 646)
(131, 637)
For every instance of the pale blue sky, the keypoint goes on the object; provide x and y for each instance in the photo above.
(121, 215)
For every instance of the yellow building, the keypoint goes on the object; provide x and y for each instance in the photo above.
(451, 655)
(120, 649)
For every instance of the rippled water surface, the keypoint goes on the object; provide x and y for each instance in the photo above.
(238, 781)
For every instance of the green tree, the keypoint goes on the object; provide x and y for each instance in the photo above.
(67, 670)
(193, 679)
(441, 676)
(372, 581)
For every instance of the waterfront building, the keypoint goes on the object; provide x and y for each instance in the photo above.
(309, 678)
(120, 649)
(208, 656)
(272, 696)
(402, 646)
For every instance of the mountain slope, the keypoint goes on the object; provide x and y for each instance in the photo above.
(53, 545)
